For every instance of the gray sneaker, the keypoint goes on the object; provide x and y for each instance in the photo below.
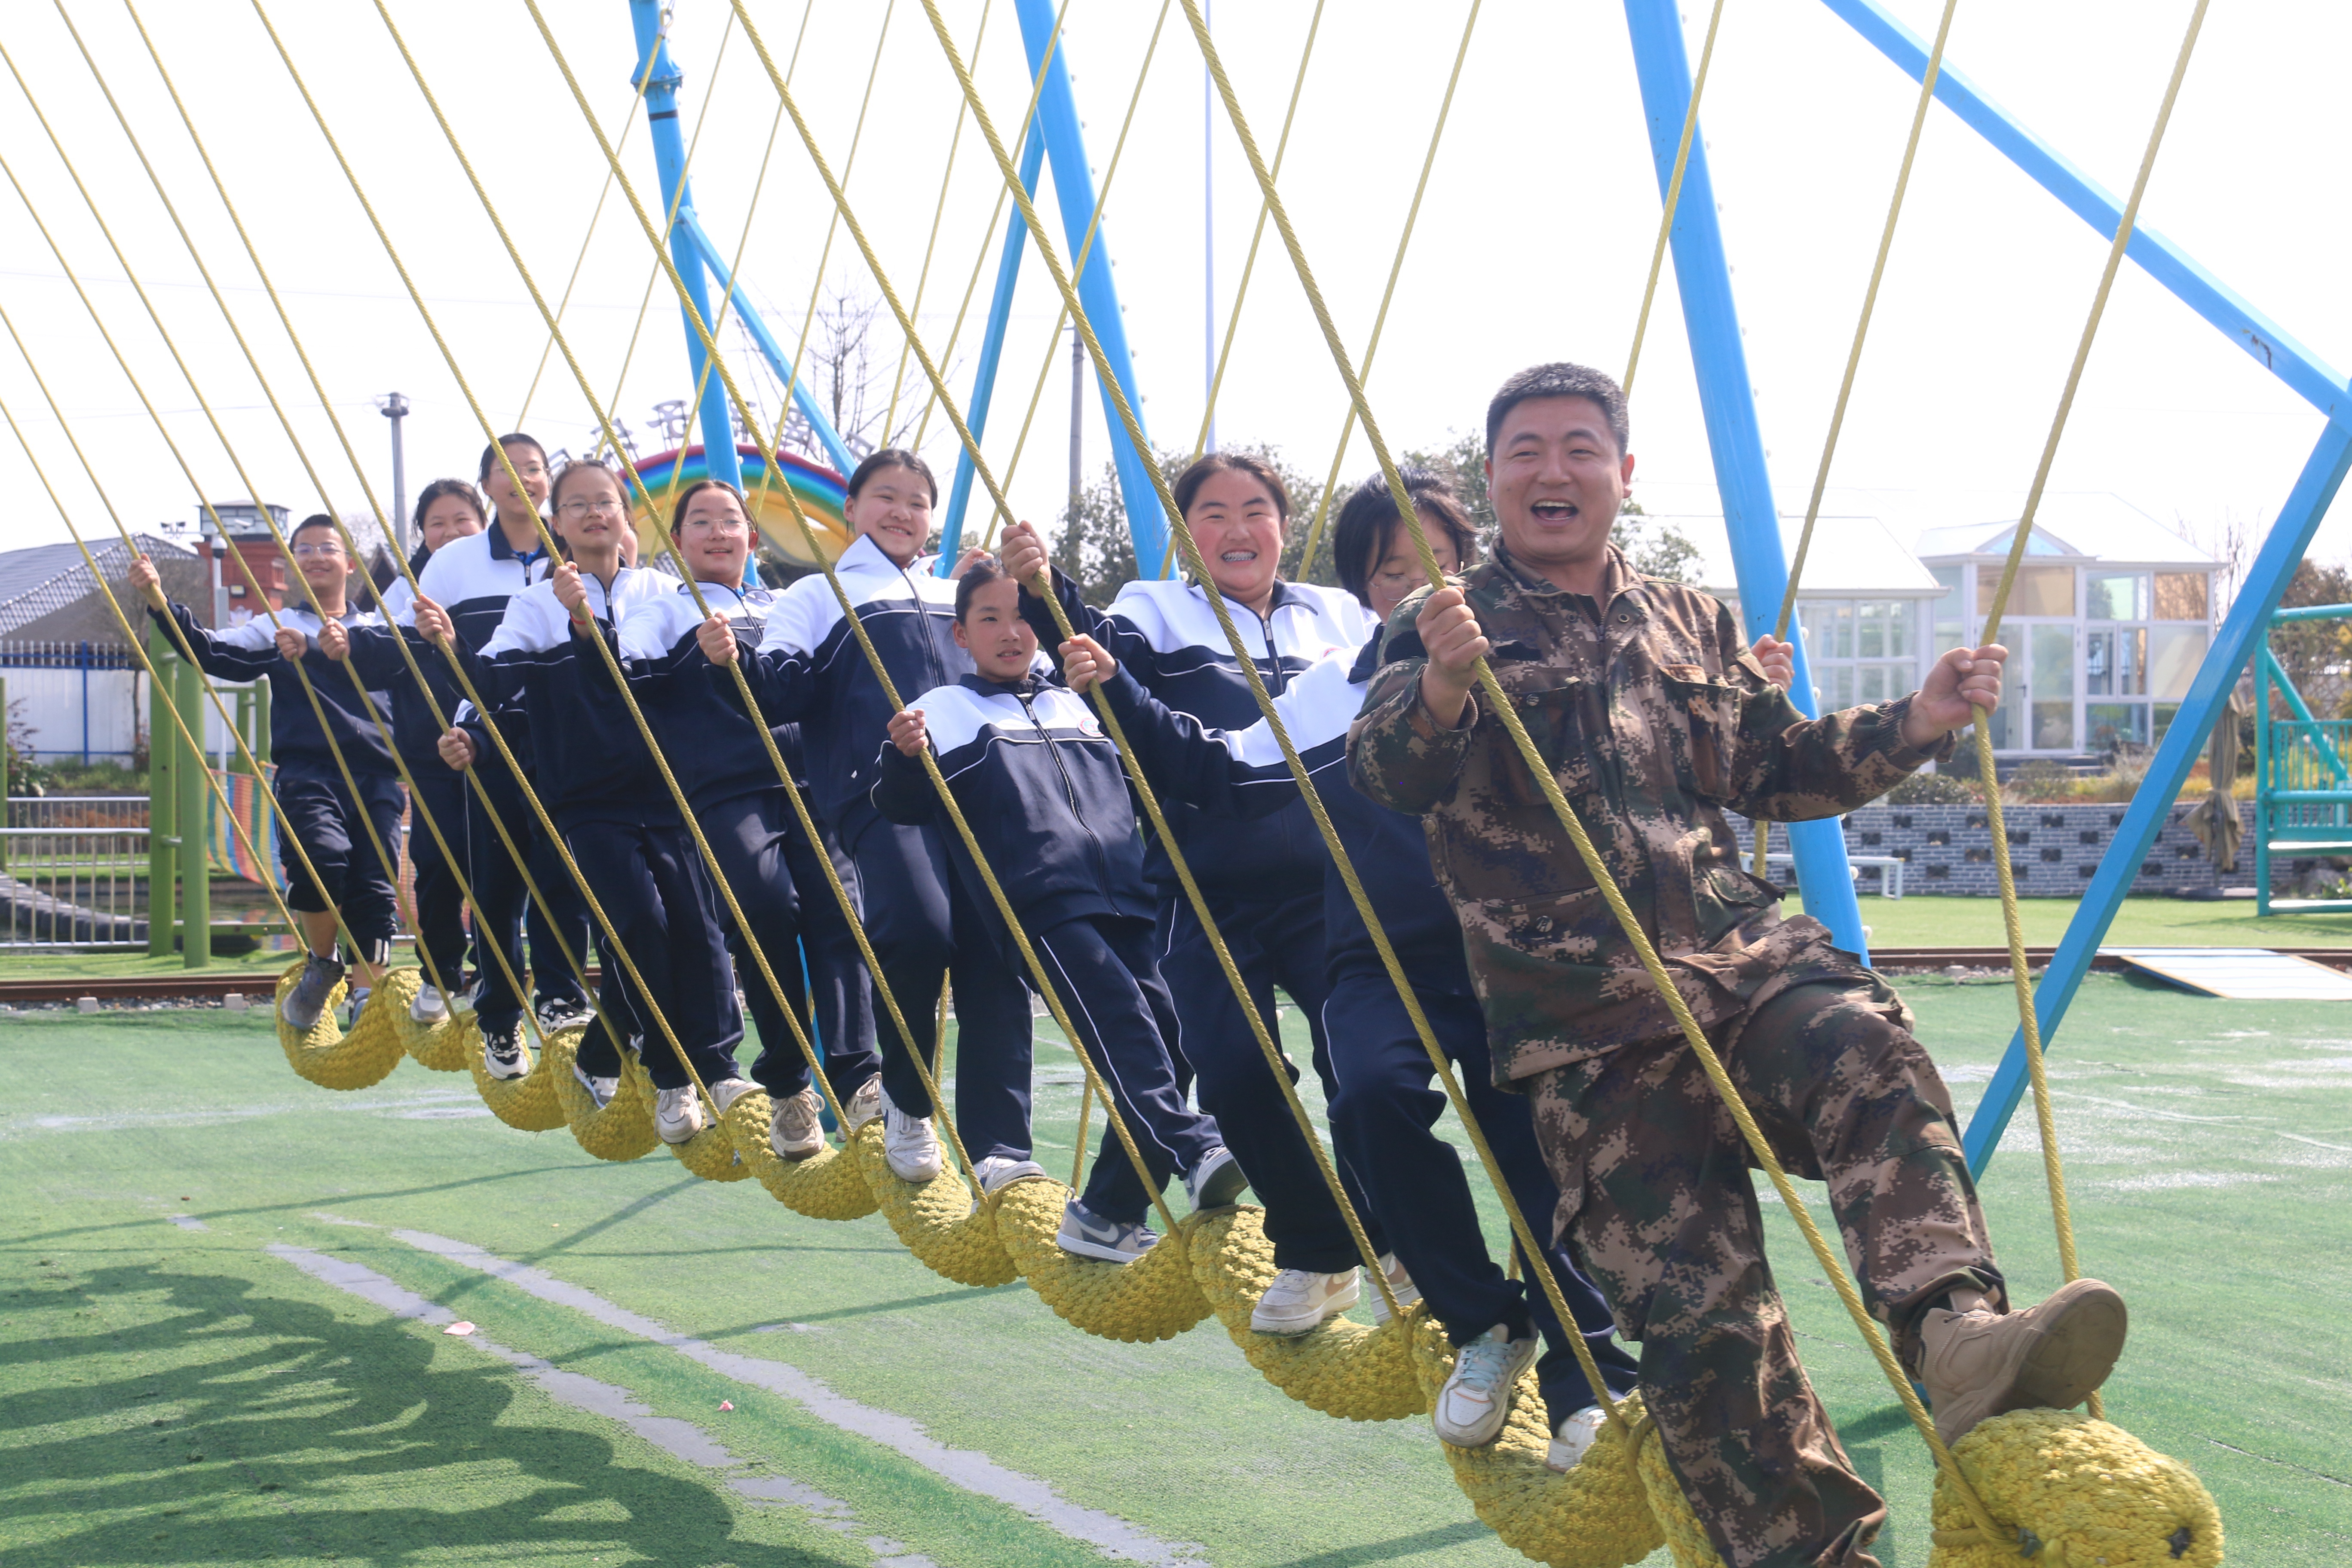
(1001, 1171)
(600, 1090)
(1085, 1234)
(502, 1052)
(1217, 1180)
(308, 998)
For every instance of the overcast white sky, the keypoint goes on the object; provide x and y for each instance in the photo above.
(1532, 245)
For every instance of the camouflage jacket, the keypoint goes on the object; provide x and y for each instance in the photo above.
(1653, 717)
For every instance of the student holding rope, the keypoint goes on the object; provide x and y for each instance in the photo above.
(316, 807)
(1042, 786)
(446, 509)
(751, 827)
(810, 669)
(1656, 719)
(1387, 1104)
(599, 785)
(471, 579)
(1263, 883)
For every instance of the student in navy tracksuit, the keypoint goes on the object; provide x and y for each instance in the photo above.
(1263, 881)
(1041, 786)
(316, 808)
(471, 579)
(599, 785)
(809, 669)
(770, 867)
(446, 509)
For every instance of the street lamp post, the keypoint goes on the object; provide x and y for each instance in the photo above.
(395, 408)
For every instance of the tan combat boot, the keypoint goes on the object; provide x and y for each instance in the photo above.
(1983, 1364)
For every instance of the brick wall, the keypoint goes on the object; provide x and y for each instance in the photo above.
(2054, 850)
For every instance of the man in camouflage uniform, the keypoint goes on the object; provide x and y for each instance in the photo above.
(1653, 716)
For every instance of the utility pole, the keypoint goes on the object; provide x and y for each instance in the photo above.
(395, 408)
(1208, 237)
(1078, 416)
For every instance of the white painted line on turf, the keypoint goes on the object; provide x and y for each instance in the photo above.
(187, 1222)
(965, 1467)
(680, 1440)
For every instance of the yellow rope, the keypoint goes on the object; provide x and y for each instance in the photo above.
(2029, 1024)
(1508, 715)
(1674, 199)
(1396, 267)
(1763, 830)
(939, 212)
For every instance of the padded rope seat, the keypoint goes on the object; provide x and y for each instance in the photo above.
(947, 1232)
(528, 1103)
(1342, 1369)
(826, 1186)
(445, 1046)
(2088, 1492)
(332, 1058)
(1153, 1298)
(623, 1129)
(709, 1154)
(1598, 1515)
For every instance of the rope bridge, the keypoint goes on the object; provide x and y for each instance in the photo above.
(1996, 1497)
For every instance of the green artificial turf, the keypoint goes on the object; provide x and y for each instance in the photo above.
(2207, 1145)
(1918, 921)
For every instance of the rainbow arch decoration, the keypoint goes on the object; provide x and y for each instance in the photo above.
(820, 489)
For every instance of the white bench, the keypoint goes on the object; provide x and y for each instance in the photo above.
(1890, 868)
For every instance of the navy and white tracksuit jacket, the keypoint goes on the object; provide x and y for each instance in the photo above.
(249, 652)
(691, 704)
(473, 578)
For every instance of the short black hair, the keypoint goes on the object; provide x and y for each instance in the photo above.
(441, 488)
(1368, 519)
(1561, 379)
(316, 520)
(490, 453)
(893, 457)
(983, 570)
(1188, 483)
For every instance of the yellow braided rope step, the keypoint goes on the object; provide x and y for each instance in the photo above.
(1153, 1298)
(623, 1129)
(528, 1103)
(2089, 1493)
(1597, 1515)
(826, 1186)
(331, 1059)
(938, 1221)
(1342, 1369)
(709, 1154)
(445, 1046)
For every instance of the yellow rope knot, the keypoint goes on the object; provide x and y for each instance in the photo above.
(827, 1185)
(938, 1221)
(2087, 1492)
(331, 1059)
(1597, 1515)
(1153, 1298)
(528, 1103)
(1342, 1369)
(622, 1130)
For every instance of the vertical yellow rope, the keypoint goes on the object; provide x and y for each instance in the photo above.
(1674, 199)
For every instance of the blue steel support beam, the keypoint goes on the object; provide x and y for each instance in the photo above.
(1073, 190)
(2323, 388)
(1824, 876)
(669, 161)
(991, 350)
(770, 350)
(2241, 633)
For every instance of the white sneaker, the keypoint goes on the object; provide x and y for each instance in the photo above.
(430, 1008)
(502, 1052)
(909, 1145)
(600, 1090)
(1299, 1299)
(793, 1130)
(678, 1114)
(1470, 1409)
(1399, 1283)
(1000, 1171)
(1575, 1435)
(726, 1091)
(864, 1106)
(1216, 1181)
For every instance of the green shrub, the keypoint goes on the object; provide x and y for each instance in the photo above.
(1933, 789)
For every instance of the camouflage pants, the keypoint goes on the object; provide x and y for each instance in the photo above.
(1658, 1204)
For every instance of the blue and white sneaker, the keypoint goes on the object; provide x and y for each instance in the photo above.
(1217, 1180)
(1085, 1233)
(1470, 1410)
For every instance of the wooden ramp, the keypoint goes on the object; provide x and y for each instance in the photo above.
(2240, 974)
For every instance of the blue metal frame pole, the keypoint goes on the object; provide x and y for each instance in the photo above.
(2241, 632)
(2198, 289)
(1074, 190)
(1824, 876)
(669, 160)
(991, 350)
(2263, 784)
(769, 349)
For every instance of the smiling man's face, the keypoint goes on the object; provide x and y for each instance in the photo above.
(1556, 481)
